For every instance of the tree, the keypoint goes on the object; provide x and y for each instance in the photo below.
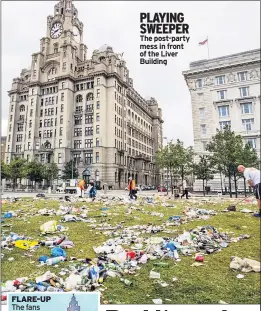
(50, 172)
(177, 159)
(34, 171)
(228, 151)
(16, 170)
(204, 170)
(4, 170)
(70, 171)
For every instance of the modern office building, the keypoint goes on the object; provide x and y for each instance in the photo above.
(225, 91)
(69, 106)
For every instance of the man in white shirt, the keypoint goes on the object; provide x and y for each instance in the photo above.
(252, 175)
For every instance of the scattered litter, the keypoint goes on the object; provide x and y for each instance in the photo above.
(240, 276)
(244, 265)
(157, 301)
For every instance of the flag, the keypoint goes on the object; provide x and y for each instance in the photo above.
(203, 42)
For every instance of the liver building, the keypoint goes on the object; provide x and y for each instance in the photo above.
(69, 106)
(73, 306)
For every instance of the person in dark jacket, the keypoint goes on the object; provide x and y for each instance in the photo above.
(185, 193)
(92, 191)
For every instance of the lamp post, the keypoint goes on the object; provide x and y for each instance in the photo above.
(165, 138)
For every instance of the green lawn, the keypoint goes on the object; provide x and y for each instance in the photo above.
(195, 285)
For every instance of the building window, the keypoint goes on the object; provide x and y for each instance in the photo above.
(62, 96)
(98, 92)
(60, 143)
(42, 158)
(202, 113)
(77, 144)
(246, 108)
(12, 108)
(222, 95)
(22, 108)
(32, 102)
(61, 131)
(61, 119)
(89, 97)
(203, 129)
(88, 158)
(199, 83)
(63, 85)
(29, 135)
(220, 80)
(18, 148)
(9, 138)
(244, 91)
(88, 119)
(64, 66)
(30, 123)
(97, 129)
(204, 145)
(62, 107)
(78, 109)
(77, 132)
(97, 105)
(97, 117)
(223, 111)
(224, 124)
(88, 131)
(60, 158)
(31, 112)
(78, 120)
(98, 81)
(97, 142)
(251, 142)
(248, 124)
(242, 76)
(88, 143)
(29, 146)
(19, 138)
(79, 98)
(97, 157)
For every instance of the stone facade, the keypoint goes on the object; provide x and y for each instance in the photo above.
(225, 91)
(68, 106)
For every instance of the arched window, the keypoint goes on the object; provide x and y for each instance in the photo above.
(89, 96)
(132, 115)
(22, 108)
(79, 98)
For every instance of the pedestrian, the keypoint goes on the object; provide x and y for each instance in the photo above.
(252, 175)
(185, 193)
(132, 188)
(92, 191)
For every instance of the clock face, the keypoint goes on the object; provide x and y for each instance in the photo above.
(76, 34)
(56, 30)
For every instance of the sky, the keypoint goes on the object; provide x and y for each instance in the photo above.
(231, 27)
(60, 301)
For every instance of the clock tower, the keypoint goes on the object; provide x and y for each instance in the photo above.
(63, 41)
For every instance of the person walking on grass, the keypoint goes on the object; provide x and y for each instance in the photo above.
(185, 193)
(132, 188)
(252, 176)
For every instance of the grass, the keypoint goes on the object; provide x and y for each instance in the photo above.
(195, 285)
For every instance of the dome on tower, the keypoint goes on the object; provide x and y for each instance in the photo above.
(105, 48)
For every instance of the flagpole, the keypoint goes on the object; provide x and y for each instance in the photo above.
(208, 48)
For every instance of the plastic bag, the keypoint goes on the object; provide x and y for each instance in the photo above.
(49, 227)
(57, 252)
(24, 244)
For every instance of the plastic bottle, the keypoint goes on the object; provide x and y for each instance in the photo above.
(54, 260)
(49, 243)
(126, 282)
